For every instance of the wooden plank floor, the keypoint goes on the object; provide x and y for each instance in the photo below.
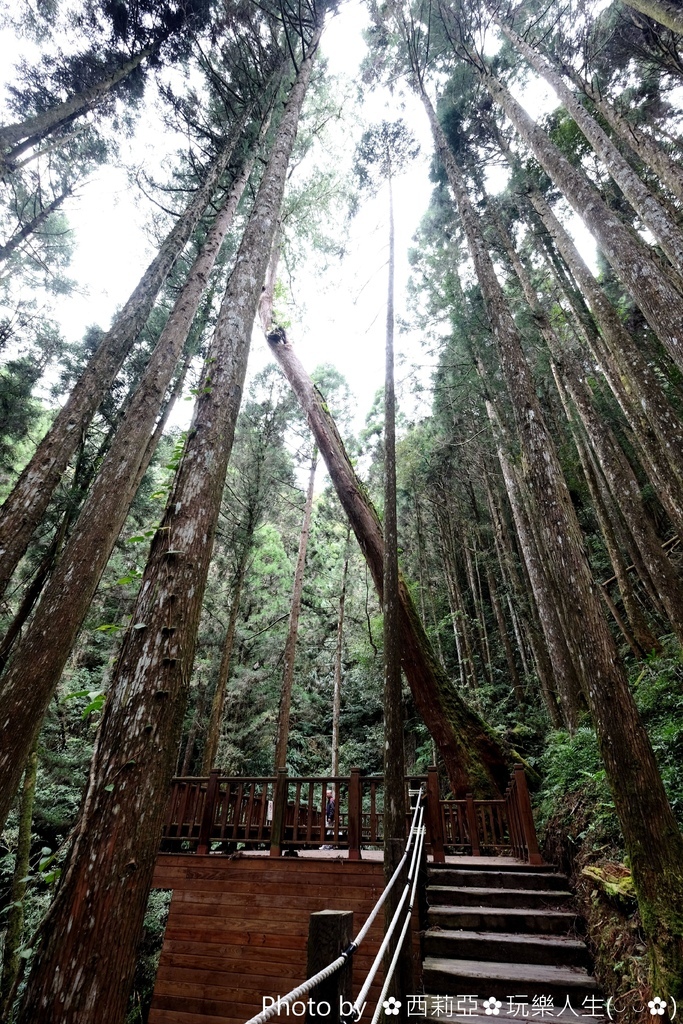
(237, 930)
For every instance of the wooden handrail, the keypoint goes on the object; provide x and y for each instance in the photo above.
(282, 812)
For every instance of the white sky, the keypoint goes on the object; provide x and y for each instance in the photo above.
(343, 319)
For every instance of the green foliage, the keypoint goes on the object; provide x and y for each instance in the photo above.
(572, 770)
(149, 951)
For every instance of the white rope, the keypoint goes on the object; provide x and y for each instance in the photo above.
(399, 945)
(310, 983)
(302, 990)
(356, 1011)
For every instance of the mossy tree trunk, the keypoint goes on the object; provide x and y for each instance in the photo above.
(46, 645)
(85, 960)
(25, 506)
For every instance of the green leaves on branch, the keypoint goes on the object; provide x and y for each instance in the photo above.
(384, 150)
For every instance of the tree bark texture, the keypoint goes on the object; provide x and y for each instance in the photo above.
(474, 757)
(282, 734)
(46, 645)
(644, 146)
(516, 682)
(666, 12)
(653, 840)
(625, 489)
(646, 205)
(96, 919)
(524, 613)
(25, 506)
(40, 125)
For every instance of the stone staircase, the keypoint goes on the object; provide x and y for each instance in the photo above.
(507, 930)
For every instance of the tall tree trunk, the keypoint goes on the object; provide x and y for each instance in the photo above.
(639, 795)
(626, 490)
(45, 648)
(473, 755)
(517, 687)
(426, 583)
(11, 959)
(652, 214)
(97, 916)
(32, 226)
(658, 430)
(563, 666)
(633, 262)
(532, 625)
(456, 599)
(338, 652)
(24, 507)
(282, 734)
(213, 732)
(641, 639)
(192, 733)
(646, 148)
(620, 476)
(394, 718)
(666, 12)
(37, 127)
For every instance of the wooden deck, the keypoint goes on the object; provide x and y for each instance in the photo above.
(238, 927)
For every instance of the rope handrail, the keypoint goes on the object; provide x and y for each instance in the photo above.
(401, 940)
(327, 972)
(355, 1013)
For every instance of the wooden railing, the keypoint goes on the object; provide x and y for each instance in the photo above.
(277, 812)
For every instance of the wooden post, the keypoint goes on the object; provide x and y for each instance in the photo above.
(472, 824)
(433, 817)
(277, 830)
(526, 814)
(329, 932)
(355, 811)
(206, 825)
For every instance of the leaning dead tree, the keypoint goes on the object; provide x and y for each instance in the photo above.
(474, 757)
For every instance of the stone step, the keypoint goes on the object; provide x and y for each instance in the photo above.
(507, 947)
(503, 981)
(490, 879)
(473, 896)
(499, 919)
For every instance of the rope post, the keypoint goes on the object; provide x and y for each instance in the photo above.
(526, 814)
(279, 807)
(355, 809)
(206, 824)
(434, 822)
(329, 933)
(472, 824)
